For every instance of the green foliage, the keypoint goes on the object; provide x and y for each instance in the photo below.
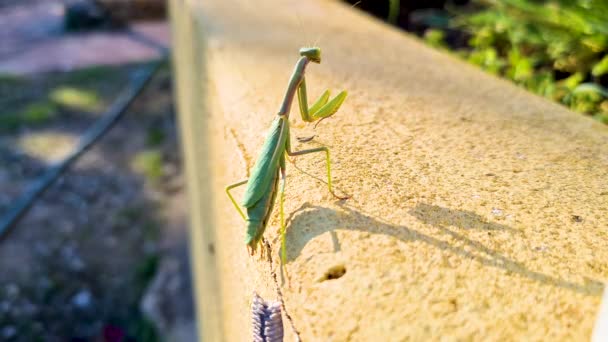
(488, 59)
(155, 137)
(91, 77)
(8, 80)
(39, 113)
(555, 48)
(143, 329)
(35, 100)
(435, 37)
(76, 98)
(33, 114)
(601, 67)
(138, 326)
(393, 11)
(150, 164)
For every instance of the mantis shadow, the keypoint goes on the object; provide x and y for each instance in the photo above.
(304, 225)
(439, 217)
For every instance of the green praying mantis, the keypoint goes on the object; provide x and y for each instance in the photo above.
(263, 183)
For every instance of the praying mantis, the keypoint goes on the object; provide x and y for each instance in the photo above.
(262, 186)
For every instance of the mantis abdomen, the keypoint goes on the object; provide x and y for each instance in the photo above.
(259, 214)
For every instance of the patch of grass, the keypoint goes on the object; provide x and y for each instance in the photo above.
(75, 98)
(150, 164)
(9, 122)
(140, 327)
(8, 79)
(435, 38)
(136, 326)
(143, 329)
(33, 114)
(90, 74)
(155, 136)
(131, 213)
(39, 113)
(146, 270)
(39, 99)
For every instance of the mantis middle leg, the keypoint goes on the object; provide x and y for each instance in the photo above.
(327, 160)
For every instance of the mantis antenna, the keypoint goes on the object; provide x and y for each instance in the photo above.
(301, 26)
(318, 40)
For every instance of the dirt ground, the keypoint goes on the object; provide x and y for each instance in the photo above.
(107, 242)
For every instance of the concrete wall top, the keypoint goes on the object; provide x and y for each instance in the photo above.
(478, 210)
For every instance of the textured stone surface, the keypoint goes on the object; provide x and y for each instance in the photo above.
(478, 210)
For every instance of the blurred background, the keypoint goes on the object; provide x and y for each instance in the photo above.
(102, 254)
(557, 49)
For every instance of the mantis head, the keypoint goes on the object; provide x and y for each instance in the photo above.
(312, 53)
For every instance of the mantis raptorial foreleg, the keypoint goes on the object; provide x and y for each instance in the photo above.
(321, 109)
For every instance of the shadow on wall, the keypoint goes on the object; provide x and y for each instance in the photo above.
(354, 219)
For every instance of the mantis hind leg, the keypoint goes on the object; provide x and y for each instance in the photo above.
(282, 218)
(328, 163)
(283, 252)
(236, 205)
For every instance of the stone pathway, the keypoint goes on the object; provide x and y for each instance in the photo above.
(33, 41)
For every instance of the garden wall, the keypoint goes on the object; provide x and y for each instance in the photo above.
(477, 210)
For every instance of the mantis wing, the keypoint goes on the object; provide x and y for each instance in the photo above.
(265, 167)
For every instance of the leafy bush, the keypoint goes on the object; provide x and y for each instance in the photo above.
(555, 48)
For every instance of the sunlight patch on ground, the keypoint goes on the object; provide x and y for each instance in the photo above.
(47, 146)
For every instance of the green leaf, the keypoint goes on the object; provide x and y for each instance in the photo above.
(435, 37)
(591, 88)
(393, 11)
(600, 68)
(572, 81)
(38, 113)
(487, 59)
